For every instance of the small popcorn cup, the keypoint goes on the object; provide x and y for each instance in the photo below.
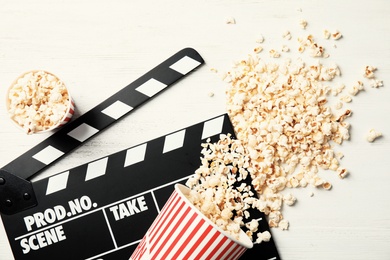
(181, 231)
(38, 102)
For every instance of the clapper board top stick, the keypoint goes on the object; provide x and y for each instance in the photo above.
(102, 209)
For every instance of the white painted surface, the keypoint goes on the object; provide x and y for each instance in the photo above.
(98, 47)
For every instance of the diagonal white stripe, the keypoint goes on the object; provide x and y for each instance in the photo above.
(205, 242)
(170, 222)
(212, 127)
(174, 141)
(185, 65)
(187, 233)
(135, 155)
(195, 239)
(83, 132)
(110, 229)
(48, 155)
(96, 169)
(151, 87)
(155, 202)
(57, 182)
(229, 247)
(117, 109)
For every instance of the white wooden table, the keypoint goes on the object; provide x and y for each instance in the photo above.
(98, 47)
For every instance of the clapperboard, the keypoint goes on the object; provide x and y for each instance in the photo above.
(102, 209)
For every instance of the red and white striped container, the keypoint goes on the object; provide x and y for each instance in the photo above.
(69, 112)
(70, 105)
(182, 232)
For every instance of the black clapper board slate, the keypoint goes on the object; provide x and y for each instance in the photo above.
(101, 210)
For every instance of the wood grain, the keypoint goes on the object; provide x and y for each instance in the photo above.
(98, 47)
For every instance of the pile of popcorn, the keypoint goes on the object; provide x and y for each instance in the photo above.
(284, 126)
(219, 187)
(38, 101)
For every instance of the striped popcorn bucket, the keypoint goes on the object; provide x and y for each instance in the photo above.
(181, 231)
(69, 112)
(65, 117)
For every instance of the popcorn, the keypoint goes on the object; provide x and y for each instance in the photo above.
(339, 155)
(253, 225)
(260, 39)
(326, 185)
(369, 72)
(338, 105)
(215, 187)
(337, 89)
(38, 101)
(316, 50)
(285, 48)
(346, 99)
(280, 112)
(342, 172)
(214, 70)
(263, 237)
(258, 49)
(336, 35)
(230, 20)
(289, 199)
(372, 135)
(326, 34)
(284, 224)
(374, 83)
(284, 128)
(274, 54)
(287, 35)
(356, 88)
(303, 24)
